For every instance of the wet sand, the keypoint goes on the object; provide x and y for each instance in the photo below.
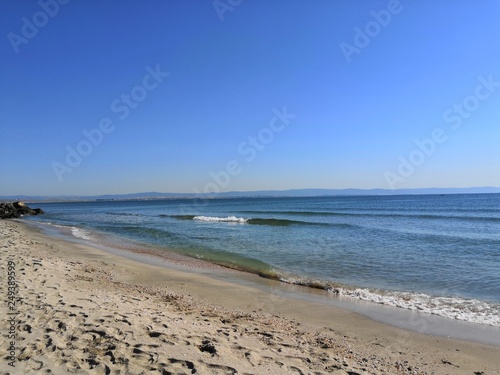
(79, 309)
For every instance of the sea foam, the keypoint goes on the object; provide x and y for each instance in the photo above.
(469, 310)
(228, 219)
(80, 233)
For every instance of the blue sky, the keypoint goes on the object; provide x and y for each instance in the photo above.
(356, 83)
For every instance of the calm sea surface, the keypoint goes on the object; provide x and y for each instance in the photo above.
(439, 254)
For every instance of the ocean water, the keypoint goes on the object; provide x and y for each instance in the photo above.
(433, 253)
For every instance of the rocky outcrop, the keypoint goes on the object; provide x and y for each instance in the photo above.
(17, 209)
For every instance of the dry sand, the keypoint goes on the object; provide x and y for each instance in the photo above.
(85, 311)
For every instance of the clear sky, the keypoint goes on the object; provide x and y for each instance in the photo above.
(180, 96)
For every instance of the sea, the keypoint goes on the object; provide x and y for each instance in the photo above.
(438, 254)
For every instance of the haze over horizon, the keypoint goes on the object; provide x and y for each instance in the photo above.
(206, 96)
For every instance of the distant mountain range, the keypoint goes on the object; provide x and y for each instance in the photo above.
(259, 193)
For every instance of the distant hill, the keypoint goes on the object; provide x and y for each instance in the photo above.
(259, 193)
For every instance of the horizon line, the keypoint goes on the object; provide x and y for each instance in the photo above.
(150, 194)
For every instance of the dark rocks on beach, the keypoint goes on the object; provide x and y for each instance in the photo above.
(207, 346)
(17, 209)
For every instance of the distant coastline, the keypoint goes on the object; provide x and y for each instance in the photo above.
(251, 194)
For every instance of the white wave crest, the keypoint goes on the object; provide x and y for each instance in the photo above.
(469, 310)
(80, 233)
(229, 219)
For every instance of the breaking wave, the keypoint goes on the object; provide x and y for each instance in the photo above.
(251, 221)
(464, 309)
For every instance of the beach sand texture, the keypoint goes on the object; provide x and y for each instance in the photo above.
(80, 310)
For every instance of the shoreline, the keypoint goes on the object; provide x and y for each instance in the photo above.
(399, 317)
(231, 326)
(434, 284)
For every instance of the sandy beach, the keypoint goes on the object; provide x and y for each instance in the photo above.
(81, 310)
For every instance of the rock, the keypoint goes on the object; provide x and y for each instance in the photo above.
(22, 209)
(207, 346)
(16, 210)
